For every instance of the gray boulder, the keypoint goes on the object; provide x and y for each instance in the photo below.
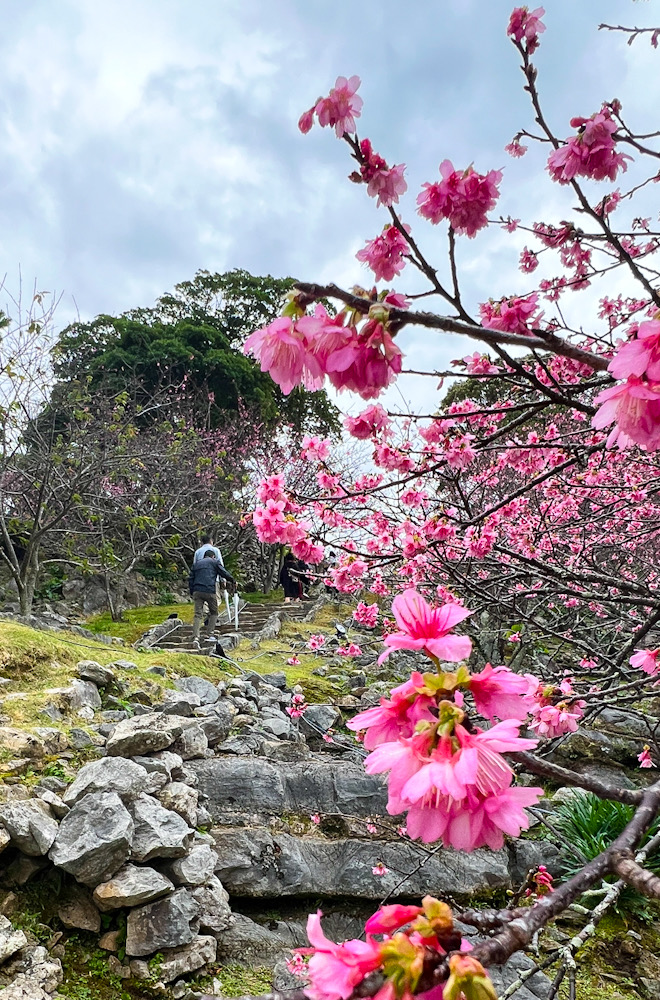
(246, 784)
(78, 910)
(30, 825)
(214, 912)
(182, 799)
(168, 923)
(143, 734)
(195, 868)
(158, 832)
(94, 840)
(318, 719)
(257, 863)
(163, 762)
(207, 693)
(192, 742)
(132, 886)
(277, 727)
(109, 774)
(90, 670)
(179, 961)
(83, 694)
(11, 940)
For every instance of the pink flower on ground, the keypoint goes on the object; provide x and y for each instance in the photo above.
(640, 356)
(315, 818)
(646, 660)
(380, 869)
(293, 661)
(526, 25)
(371, 828)
(336, 969)
(634, 406)
(395, 716)
(385, 254)
(425, 628)
(499, 693)
(341, 107)
(315, 642)
(644, 757)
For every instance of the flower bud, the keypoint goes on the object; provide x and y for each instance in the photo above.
(467, 980)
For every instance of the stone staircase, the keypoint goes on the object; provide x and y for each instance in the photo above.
(251, 620)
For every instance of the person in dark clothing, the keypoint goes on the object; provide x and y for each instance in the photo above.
(201, 584)
(288, 579)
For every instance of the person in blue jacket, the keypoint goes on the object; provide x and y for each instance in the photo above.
(201, 584)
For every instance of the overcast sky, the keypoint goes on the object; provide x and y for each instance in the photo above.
(141, 140)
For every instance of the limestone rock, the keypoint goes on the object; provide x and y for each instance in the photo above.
(55, 803)
(109, 774)
(207, 693)
(83, 694)
(94, 840)
(317, 719)
(158, 832)
(217, 725)
(30, 825)
(258, 786)
(143, 734)
(192, 742)
(257, 863)
(132, 886)
(11, 940)
(168, 923)
(5, 839)
(179, 961)
(79, 911)
(21, 743)
(39, 977)
(90, 670)
(195, 868)
(54, 741)
(163, 762)
(214, 912)
(181, 799)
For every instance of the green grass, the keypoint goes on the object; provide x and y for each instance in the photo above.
(136, 621)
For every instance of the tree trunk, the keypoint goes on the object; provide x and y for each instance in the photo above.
(28, 580)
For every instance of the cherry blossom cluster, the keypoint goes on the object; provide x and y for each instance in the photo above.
(398, 942)
(353, 353)
(448, 774)
(634, 405)
(276, 523)
(366, 614)
(556, 710)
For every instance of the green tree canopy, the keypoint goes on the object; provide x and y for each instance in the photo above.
(193, 338)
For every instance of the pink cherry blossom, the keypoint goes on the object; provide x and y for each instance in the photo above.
(644, 757)
(480, 364)
(306, 120)
(371, 421)
(293, 661)
(499, 693)
(271, 488)
(269, 521)
(341, 107)
(380, 869)
(551, 720)
(525, 25)
(315, 642)
(634, 406)
(385, 254)
(514, 148)
(640, 356)
(366, 614)
(513, 315)
(426, 628)
(646, 660)
(281, 351)
(589, 154)
(315, 818)
(315, 449)
(391, 918)
(394, 716)
(336, 969)
(463, 198)
(383, 182)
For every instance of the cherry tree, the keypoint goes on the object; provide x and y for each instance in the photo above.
(524, 507)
